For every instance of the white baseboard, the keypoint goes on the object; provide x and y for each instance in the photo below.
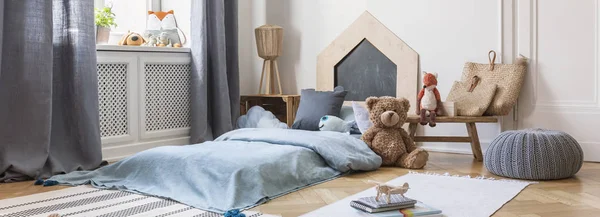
(455, 148)
(591, 151)
(448, 150)
(115, 153)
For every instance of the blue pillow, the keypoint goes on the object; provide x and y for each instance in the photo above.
(316, 104)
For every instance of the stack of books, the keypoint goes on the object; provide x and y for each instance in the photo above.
(398, 207)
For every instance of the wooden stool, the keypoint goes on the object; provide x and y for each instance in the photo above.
(473, 138)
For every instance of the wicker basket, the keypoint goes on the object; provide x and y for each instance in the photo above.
(473, 98)
(508, 78)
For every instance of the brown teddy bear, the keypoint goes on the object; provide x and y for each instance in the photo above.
(387, 138)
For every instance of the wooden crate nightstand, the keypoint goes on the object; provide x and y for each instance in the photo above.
(284, 107)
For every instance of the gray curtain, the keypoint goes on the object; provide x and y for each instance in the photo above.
(215, 72)
(49, 120)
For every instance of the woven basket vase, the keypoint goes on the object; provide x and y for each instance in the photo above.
(534, 154)
(471, 100)
(508, 78)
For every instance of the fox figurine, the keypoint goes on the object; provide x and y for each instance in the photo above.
(162, 26)
(161, 20)
(429, 100)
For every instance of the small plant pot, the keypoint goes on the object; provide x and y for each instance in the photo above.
(102, 35)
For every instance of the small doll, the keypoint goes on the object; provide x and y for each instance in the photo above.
(429, 99)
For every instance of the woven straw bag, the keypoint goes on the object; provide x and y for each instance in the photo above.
(471, 99)
(508, 78)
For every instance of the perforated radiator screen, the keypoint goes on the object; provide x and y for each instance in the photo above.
(112, 94)
(167, 96)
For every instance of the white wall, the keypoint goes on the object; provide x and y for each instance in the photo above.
(444, 33)
(130, 15)
(309, 26)
(562, 87)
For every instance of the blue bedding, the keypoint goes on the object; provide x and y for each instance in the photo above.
(239, 170)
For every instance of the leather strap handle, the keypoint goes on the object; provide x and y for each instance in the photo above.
(474, 83)
(492, 59)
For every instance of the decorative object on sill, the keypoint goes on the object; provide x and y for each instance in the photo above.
(132, 39)
(387, 138)
(535, 154)
(429, 101)
(508, 78)
(284, 107)
(162, 30)
(472, 98)
(104, 19)
(269, 44)
(151, 40)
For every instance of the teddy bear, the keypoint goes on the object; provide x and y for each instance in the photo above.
(387, 138)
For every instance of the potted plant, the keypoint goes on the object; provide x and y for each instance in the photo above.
(105, 19)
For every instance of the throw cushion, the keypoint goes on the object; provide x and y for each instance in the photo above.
(316, 104)
(361, 115)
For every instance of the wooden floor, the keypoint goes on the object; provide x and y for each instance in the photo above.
(578, 196)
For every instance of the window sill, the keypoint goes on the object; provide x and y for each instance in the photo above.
(105, 47)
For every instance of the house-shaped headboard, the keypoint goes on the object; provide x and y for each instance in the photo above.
(368, 59)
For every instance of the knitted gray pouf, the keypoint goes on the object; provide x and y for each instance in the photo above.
(534, 154)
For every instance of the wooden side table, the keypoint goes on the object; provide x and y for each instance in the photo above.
(284, 107)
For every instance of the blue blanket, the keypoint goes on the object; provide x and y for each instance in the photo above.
(239, 170)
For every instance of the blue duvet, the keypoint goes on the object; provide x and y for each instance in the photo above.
(239, 170)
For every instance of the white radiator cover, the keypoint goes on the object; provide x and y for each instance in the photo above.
(144, 101)
(112, 94)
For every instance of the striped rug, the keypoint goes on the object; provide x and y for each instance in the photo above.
(88, 201)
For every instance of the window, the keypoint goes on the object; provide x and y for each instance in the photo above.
(131, 15)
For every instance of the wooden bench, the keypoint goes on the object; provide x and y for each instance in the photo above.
(472, 138)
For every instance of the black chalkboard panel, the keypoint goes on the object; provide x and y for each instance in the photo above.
(366, 72)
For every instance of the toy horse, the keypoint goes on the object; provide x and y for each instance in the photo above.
(388, 190)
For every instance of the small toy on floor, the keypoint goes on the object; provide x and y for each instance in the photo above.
(388, 190)
(429, 99)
